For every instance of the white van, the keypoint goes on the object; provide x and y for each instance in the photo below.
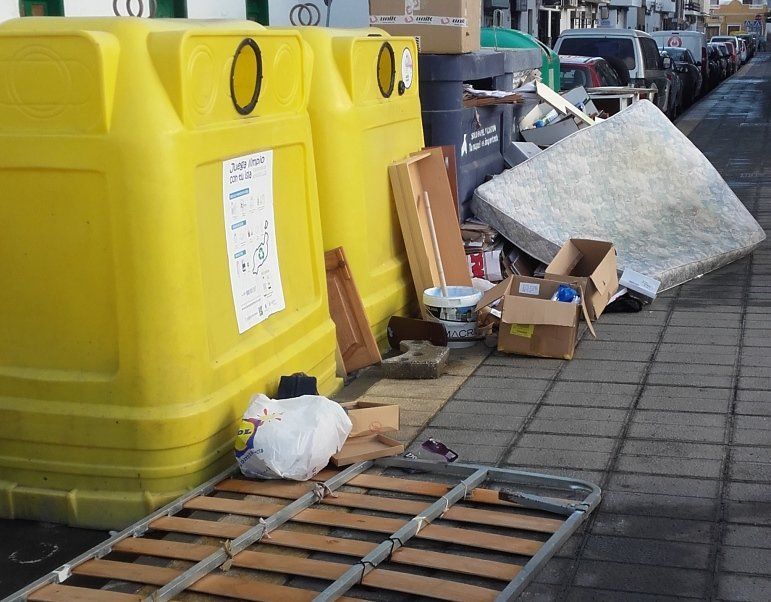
(629, 50)
(695, 41)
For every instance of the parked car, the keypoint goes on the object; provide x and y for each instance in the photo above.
(732, 42)
(695, 41)
(689, 73)
(726, 53)
(589, 72)
(713, 57)
(735, 56)
(675, 100)
(721, 59)
(632, 53)
(752, 44)
(743, 54)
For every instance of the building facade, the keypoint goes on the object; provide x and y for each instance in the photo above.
(733, 16)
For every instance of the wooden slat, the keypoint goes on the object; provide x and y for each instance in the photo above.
(68, 593)
(467, 537)
(337, 545)
(397, 506)
(214, 584)
(368, 481)
(318, 569)
(464, 565)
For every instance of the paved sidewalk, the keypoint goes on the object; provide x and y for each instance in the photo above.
(668, 411)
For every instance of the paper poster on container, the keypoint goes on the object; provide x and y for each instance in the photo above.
(247, 191)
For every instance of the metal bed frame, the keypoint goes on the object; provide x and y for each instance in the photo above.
(518, 491)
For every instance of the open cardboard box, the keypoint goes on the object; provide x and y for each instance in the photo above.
(592, 265)
(371, 417)
(531, 323)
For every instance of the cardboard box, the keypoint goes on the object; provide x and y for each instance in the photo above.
(359, 449)
(592, 265)
(531, 323)
(439, 26)
(370, 417)
(644, 286)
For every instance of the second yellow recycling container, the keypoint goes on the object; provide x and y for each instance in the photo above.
(161, 252)
(365, 114)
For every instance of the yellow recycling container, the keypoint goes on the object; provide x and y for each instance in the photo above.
(161, 252)
(365, 114)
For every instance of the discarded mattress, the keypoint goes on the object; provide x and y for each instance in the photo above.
(634, 180)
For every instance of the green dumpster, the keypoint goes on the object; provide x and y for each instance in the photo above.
(496, 37)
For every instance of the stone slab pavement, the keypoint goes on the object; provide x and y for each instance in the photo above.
(669, 410)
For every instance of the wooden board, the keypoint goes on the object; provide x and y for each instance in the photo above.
(376, 524)
(427, 488)
(348, 547)
(451, 165)
(369, 447)
(318, 569)
(68, 593)
(457, 512)
(559, 103)
(238, 588)
(409, 178)
(355, 341)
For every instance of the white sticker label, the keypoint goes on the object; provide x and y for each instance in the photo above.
(407, 68)
(529, 288)
(250, 234)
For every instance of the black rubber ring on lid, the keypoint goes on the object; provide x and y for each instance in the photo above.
(249, 107)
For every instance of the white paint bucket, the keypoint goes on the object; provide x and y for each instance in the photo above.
(457, 311)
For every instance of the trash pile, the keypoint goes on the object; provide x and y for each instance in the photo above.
(583, 223)
(296, 437)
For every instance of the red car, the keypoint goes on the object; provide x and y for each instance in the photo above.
(589, 72)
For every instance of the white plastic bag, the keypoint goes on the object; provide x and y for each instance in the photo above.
(290, 438)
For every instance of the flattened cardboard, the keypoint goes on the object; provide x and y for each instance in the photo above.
(439, 26)
(358, 449)
(409, 178)
(370, 417)
(592, 265)
(531, 323)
